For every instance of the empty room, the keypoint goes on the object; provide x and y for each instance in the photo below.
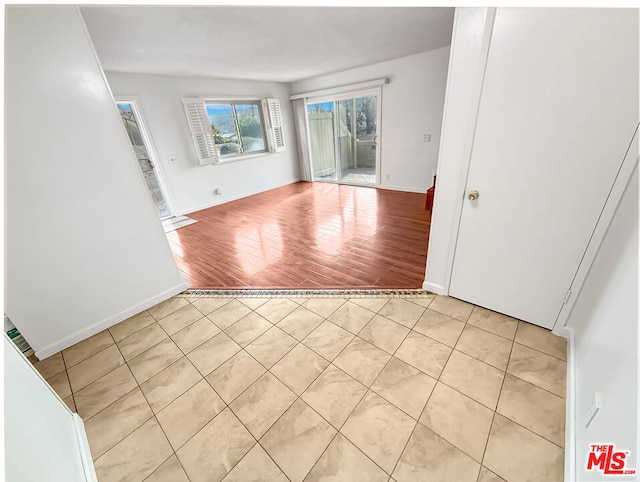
(321, 243)
(365, 111)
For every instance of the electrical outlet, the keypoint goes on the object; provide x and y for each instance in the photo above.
(427, 138)
(387, 177)
(593, 408)
(173, 160)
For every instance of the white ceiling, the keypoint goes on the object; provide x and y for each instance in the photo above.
(282, 44)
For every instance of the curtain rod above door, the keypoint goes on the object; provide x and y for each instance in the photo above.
(340, 90)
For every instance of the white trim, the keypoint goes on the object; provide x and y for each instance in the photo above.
(85, 451)
(606, 216)
(149, 146)
(570, 416)
(343, 89)
(230, 98)
(372, 92)
(471, 131)
(378, 139)
(375, 186)
(242, 157)
(108, 322)
(432, 287)
(404, 188)
(376, 91)
(224, 200)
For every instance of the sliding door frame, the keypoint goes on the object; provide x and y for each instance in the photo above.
(377, 92)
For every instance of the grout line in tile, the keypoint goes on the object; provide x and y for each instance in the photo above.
(535, 385)
(173, 452)
(120, 441)
(93, 381)
(467, 396)
(90, 356)
(237, 396)
(478, 359)
(133, 332)
(124, 395)
(407, 443)
(259, 445)
(339, 430)
(392, 404)
(165, 460)
(528, 429)
(539, 351)
(298, 397)
(130, 432)
(368, 388)
(493, 418)
(326, 421)
(355, 445)
(146, 350)
(172, 312)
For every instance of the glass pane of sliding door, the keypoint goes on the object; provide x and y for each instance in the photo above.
(343, 135)
(321, 124)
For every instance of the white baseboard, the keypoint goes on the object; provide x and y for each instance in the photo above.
(570, 420)
(434, 288)
(85, 452)
(74, 338)
(403, 188)
(226, 199)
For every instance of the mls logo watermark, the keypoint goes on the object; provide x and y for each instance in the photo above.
(606, 459)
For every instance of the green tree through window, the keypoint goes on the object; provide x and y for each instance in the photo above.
(237, 127)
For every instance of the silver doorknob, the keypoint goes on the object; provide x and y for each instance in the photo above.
(473, 195)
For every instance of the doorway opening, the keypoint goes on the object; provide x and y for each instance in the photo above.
(130, 115)
(343, 138)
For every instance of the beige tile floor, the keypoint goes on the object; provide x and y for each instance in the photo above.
(242, 389)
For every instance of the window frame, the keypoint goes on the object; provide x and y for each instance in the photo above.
(233, 101)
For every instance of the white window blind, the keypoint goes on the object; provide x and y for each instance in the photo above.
(276, 128)
(201, 132)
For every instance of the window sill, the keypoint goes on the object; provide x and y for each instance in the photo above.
(230, 160)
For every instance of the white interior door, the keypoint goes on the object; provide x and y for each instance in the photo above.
(558, 109)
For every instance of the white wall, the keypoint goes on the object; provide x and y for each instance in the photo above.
(466, 68)
(191, 186)
(43, 440)
(605, 325)
(412, 105)
(85, 247)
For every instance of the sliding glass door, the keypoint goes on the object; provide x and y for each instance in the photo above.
(343, 138)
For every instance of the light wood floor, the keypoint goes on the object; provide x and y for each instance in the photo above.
(306, 236)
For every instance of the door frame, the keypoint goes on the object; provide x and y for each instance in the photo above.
(457, 187)
(149, 145)
(618, 188)
(375, 91)
(451, 184)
